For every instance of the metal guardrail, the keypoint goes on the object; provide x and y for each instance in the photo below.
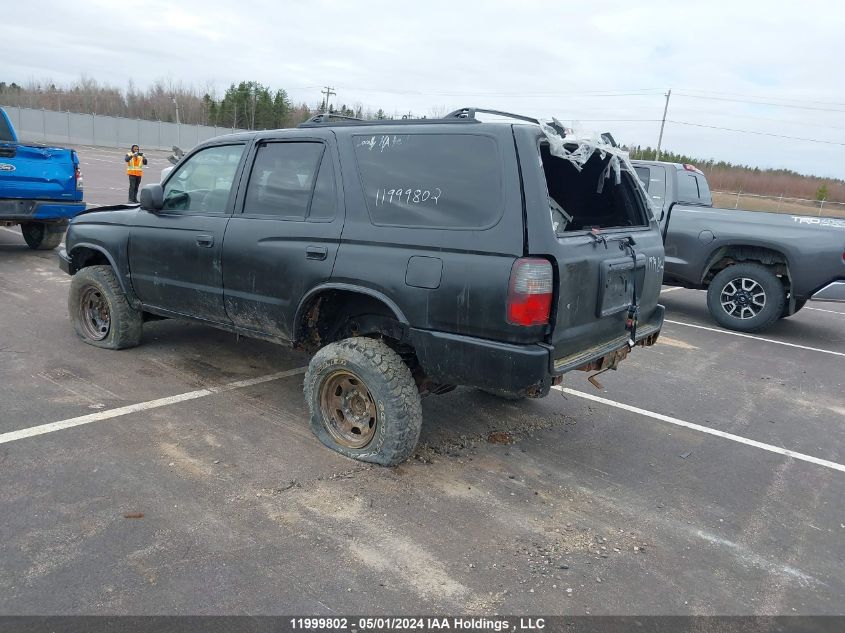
(71, 128)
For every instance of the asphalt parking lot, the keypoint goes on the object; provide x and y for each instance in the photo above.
(181, 476)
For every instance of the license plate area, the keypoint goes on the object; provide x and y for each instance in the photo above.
(616, 284)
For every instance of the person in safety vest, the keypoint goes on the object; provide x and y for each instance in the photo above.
(135, 160)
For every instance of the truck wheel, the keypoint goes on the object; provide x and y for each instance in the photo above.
(42, 237)
(100, 313)
(746, 297)
(800, 303)
(363, 400)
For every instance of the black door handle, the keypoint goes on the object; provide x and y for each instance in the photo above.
(316, 252)
(206, 241)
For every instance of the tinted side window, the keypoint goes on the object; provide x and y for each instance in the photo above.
(687, 188)
(431, 180)
(282, 179)
(203, 183)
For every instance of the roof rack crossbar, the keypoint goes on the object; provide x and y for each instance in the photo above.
(327, 117)
(469, 113)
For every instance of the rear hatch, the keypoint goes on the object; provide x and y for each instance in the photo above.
(38, 173)
(595, 225)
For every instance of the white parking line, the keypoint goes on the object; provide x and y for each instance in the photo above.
(8, 230)
(823, 310)
(704, 429)
(671, 289)
(51, 427)
(756, 338)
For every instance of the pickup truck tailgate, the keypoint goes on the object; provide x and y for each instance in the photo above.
(32, 172)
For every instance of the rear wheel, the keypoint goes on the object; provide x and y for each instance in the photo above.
(42, 237)
(746, 297)
(364, 402)
(99, 311)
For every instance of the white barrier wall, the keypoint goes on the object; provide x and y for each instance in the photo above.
(70, 128)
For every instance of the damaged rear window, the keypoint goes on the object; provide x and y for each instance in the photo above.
(590, 198)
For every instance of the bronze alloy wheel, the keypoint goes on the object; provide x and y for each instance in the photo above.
(348, 409)
(94, 315)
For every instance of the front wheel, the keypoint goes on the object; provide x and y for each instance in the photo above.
(99, 311)
(363, 400)
(42, 237)
(746, 297)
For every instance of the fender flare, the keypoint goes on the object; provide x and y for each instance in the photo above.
(719, 251)
(120, 280)
(375, 294)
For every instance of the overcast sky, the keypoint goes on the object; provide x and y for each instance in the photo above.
(579, 62)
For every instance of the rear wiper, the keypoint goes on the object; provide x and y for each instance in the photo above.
(566, 218)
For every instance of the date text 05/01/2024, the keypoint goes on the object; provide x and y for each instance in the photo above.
(417, 624)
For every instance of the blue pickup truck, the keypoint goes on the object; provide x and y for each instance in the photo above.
(40, 188)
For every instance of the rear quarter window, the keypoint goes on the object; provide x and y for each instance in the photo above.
(450, 181)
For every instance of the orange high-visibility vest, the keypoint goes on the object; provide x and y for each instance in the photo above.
(134, 166)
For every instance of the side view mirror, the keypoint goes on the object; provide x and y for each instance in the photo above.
(152, 197)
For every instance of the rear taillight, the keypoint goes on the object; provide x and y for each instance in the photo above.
(530, 292)
(79, 181)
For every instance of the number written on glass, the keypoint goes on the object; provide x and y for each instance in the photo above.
(408, 195)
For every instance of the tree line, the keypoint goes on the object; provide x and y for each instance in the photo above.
(247, 105)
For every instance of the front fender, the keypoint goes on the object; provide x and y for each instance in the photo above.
(73, 267)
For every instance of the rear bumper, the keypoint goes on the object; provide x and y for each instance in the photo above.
(831, 292)
(39, 210)
(464, 360)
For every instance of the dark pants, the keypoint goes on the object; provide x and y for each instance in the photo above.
(134, 183)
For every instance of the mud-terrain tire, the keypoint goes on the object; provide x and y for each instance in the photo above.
(746, 297)
(99, 311)
(42, 237)
(363, 400)
(798, 305)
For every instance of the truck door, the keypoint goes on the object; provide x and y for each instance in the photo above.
(284, 237)
(175, 254)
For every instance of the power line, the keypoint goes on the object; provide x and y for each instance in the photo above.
(768, 103)
(770, 97)
(762, 118)
(728, 129)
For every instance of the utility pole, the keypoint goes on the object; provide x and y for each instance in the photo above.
(176, 104)
(329, 91)
(662, 124)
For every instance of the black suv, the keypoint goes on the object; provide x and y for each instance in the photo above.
(408, 256)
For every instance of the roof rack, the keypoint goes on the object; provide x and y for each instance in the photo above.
(327, 117)
(463, 115)
(469, 113)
